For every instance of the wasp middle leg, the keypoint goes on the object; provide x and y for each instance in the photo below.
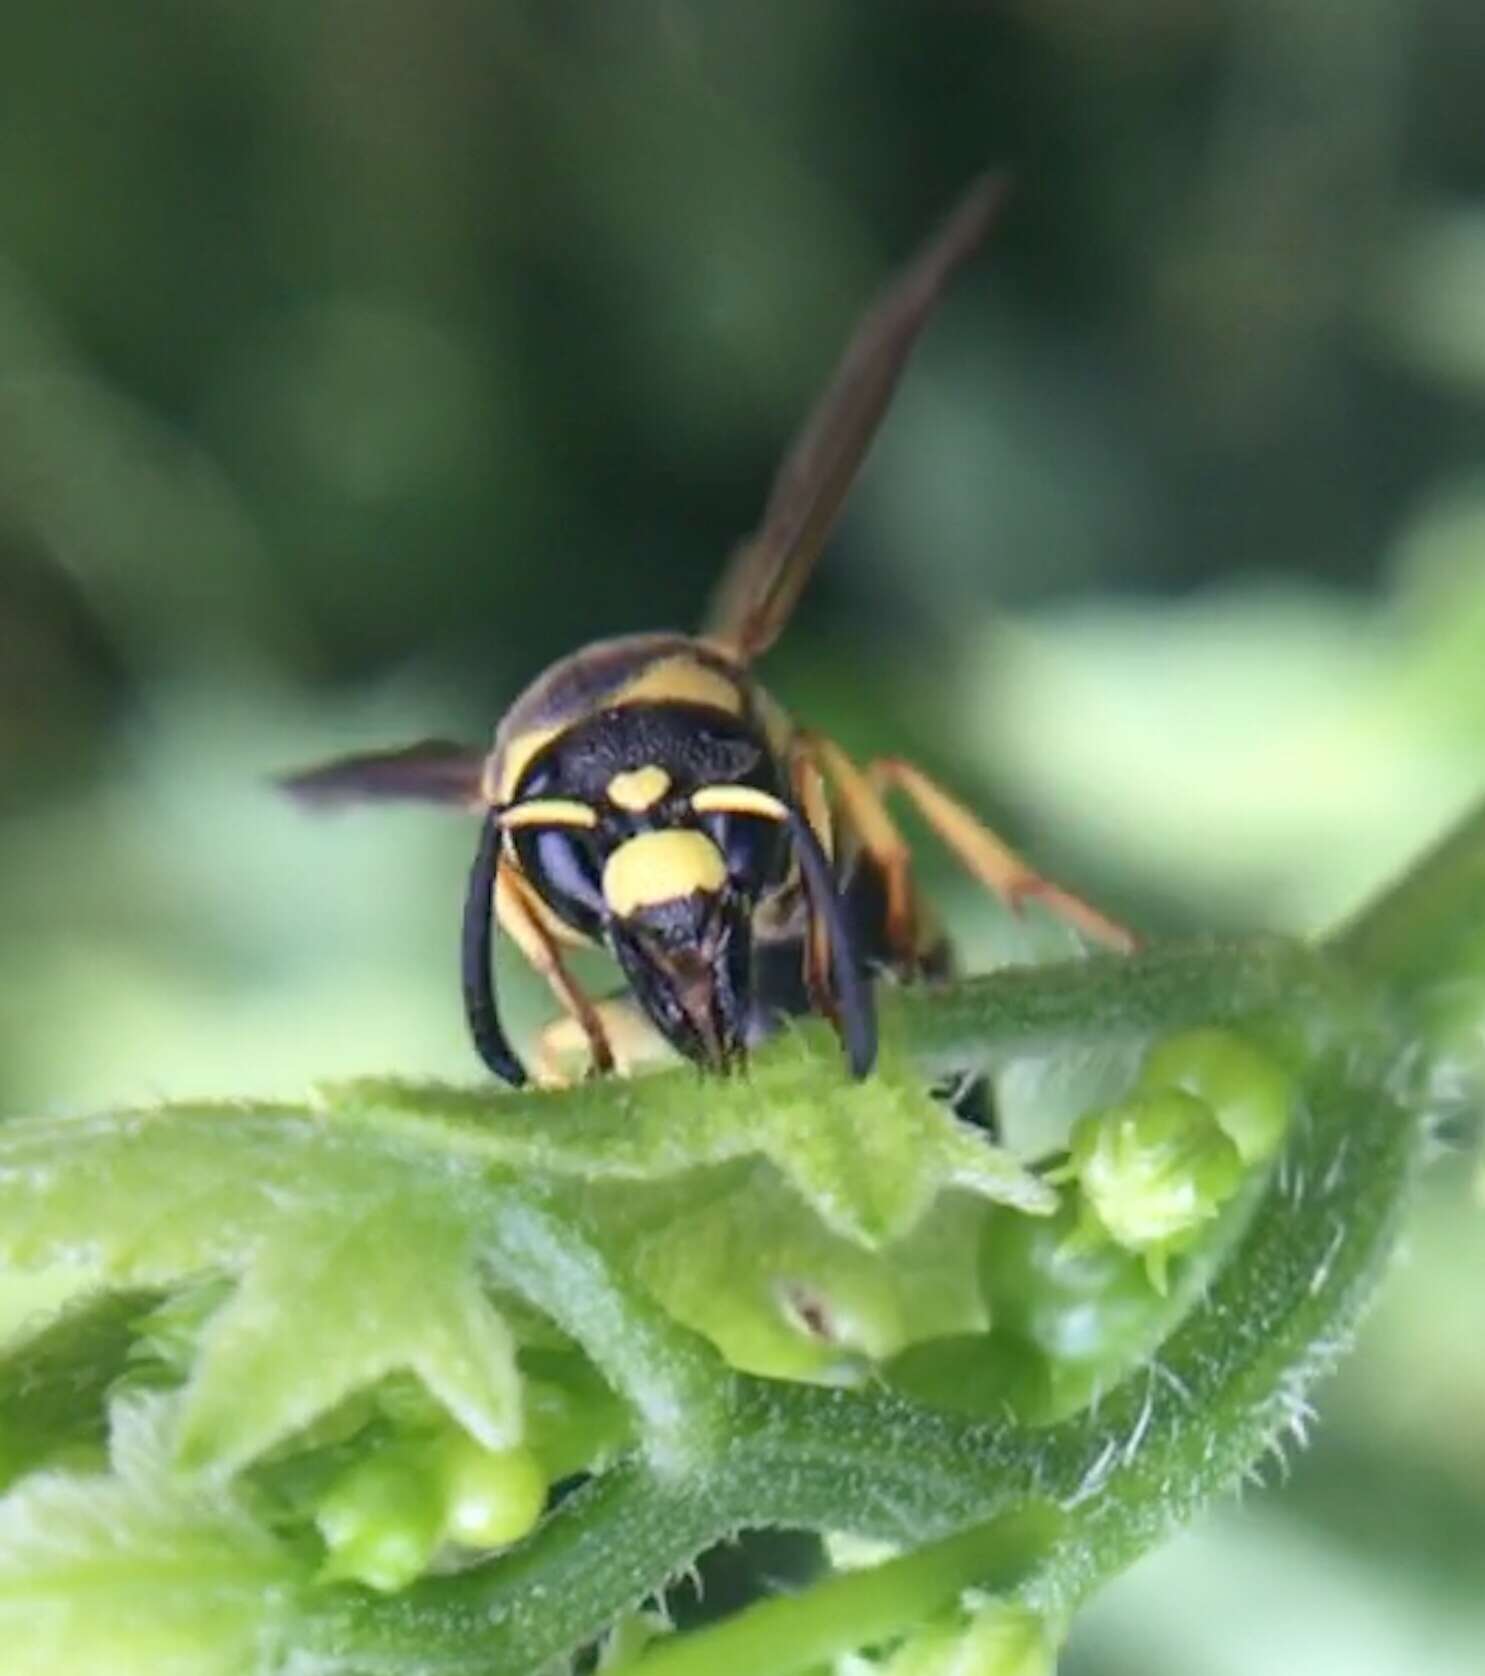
(988, 858)
(907, 939)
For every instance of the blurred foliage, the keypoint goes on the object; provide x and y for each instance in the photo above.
(357, 359)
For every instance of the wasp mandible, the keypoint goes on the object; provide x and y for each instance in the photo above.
(646, 794)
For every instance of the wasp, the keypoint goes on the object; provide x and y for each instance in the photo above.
(646, 794)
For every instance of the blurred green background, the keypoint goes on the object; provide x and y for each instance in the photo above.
(357, 359)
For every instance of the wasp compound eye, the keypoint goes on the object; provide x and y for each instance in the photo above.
(747, 825)
(564, 868)
(754, 849)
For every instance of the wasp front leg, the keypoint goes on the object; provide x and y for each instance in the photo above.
(520, 917)
(988, 858)
(808, 786)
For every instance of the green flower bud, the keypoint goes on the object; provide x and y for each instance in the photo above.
(1153, 1169)
(998, 1640)
(1248, 1091)
(988, 1375)
(491, 1497)
(1084, 1313)
(382, 1518)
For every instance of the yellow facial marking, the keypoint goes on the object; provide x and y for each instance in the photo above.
(513, 761)
(660, 866)
(681, 680)
(638, 789)
(738, 800)
(549, 811)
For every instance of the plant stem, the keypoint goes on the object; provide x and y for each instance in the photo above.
(1166, 987)
(1425, 934)
(790, 1633)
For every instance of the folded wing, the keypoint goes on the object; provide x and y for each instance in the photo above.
(769, 570)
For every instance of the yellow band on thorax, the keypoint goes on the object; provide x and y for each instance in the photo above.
(681, 679)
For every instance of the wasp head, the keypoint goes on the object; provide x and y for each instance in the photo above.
(634, 835)
(681, 929)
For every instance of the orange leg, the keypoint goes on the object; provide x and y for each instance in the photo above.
(520, 919)
(989, 859)
(863, 810)
(809, 797)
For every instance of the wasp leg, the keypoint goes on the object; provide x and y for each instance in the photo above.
(633, 1041)
(864, 813)
(808, 785)
(988, 858)
(519, 918)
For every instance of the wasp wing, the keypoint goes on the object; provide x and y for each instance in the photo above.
(769, 570)
(432, 771)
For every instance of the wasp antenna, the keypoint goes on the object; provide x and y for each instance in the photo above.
(853, 997)
(478, 960)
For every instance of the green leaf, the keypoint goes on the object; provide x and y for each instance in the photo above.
(395, 1289)
(744, 1261)
(135, 1574)
(31, 1297)
(53, 1384)
(868, 1157)
(344, 1243)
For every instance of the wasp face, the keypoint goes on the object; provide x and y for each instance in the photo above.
(657, 830)
(681, 929)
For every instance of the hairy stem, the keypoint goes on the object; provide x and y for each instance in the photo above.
(1166, 987)
(1422, 943)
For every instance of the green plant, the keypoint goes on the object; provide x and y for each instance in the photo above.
(325, 1360)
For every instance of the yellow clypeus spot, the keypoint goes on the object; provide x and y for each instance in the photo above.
(659, 867)
(638, 789)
